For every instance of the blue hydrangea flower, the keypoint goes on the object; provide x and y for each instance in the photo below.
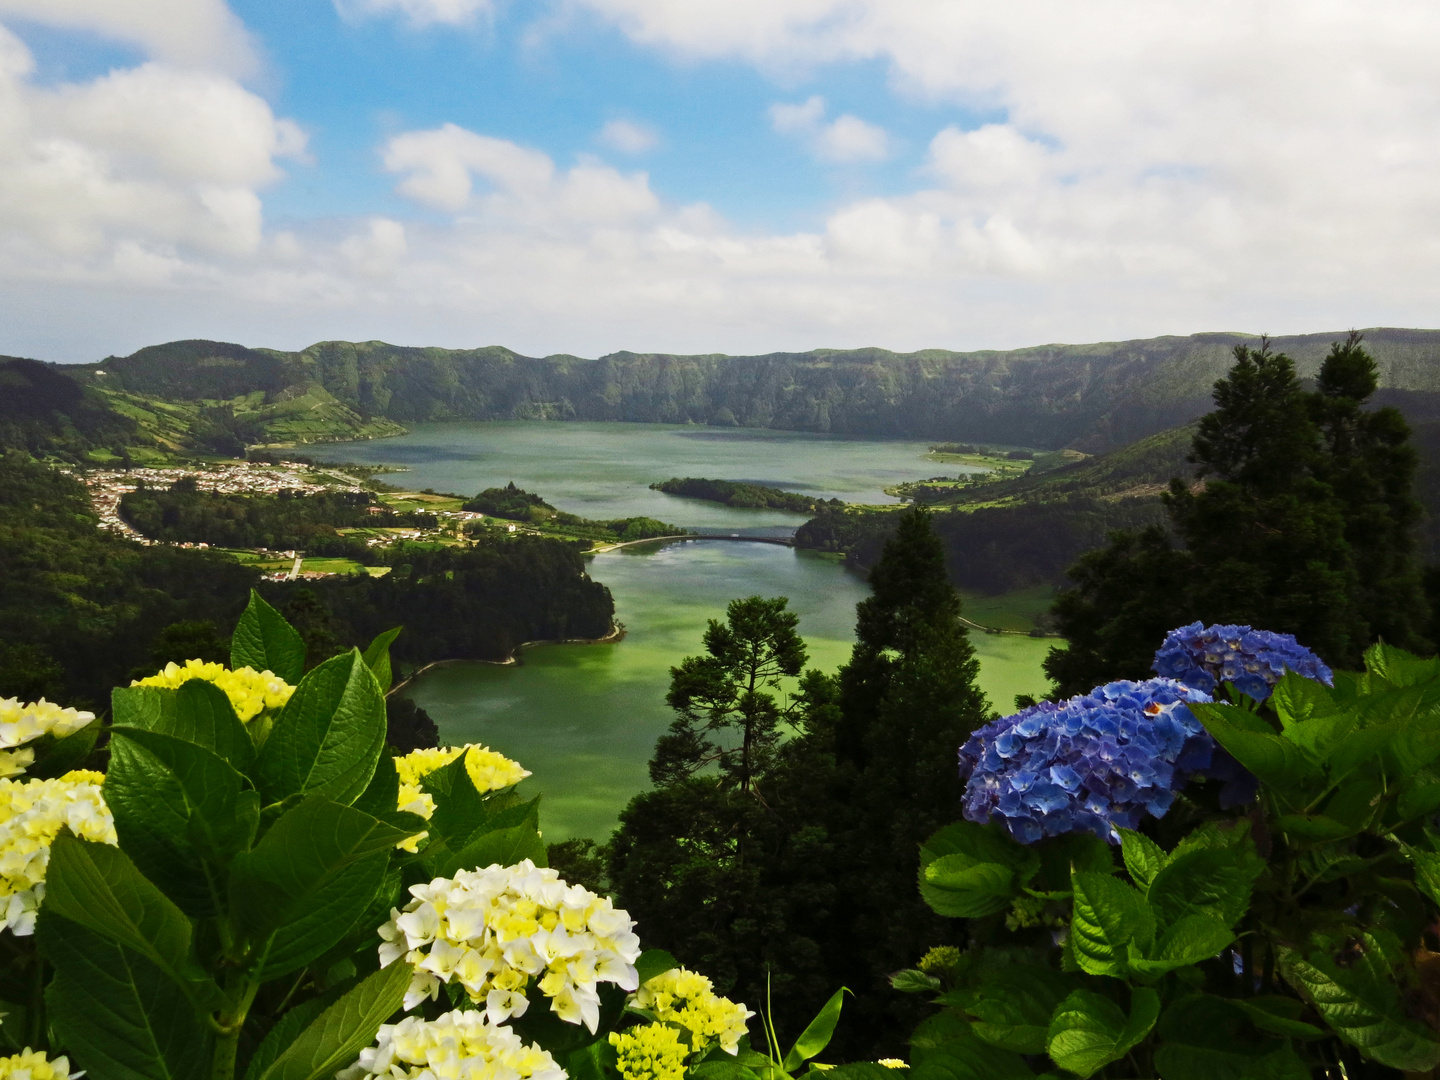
(1097, 761)
(1253, 660)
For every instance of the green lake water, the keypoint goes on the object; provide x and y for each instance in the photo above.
(584, 718)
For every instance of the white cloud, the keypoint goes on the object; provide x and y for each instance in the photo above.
(627, 137)
(845, 139)
(438, 168)
(199, 33)
(418, 12)
(146, 158)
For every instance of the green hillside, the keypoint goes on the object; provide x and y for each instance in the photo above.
(1089, 397)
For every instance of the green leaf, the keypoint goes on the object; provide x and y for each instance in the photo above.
(1206, 881)
(862, 1070)
(222, 816)
(967, 1059)
(1107, 916)
(462, 811)
(203, 715)
(1315, 828)
(1363, 1005)
(1298, 700)
(1192, 940)
(914, 981)
(1202, 1037)
(500, 847)
(594, 1062)
(940, 1032)
(382, 795)
(1275, 760)
(377, 657)
(1143, 857)
(817, 1033)
(55, 757)
(1399, 667)
(119, 1016)
(653, 963)
(336, 1037)
(328, 738)
(97, 886)
(1278, 1016)
(308, 880)
(1427, 871)
(263, 640)
(1419, 795)
(1010, 1005)
(1088, 1030)
(958, 887)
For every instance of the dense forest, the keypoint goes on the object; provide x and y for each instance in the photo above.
(286, 520)
(82, 610)
(742, 494)
(1089, 397)
(473, 603)
(516, 504)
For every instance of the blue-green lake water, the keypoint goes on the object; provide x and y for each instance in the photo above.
(584, 718)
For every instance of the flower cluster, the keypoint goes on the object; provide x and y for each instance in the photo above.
(34, 1065)
(488, 770)
(250, 692)
(20, 724)
(688, 1000)
(1094, 762)
(649, 1052)
(460, 1044)
(32, 813)
(494, 930)
(1202, 657)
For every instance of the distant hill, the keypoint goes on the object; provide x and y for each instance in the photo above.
(43, 412)
(1088, 397)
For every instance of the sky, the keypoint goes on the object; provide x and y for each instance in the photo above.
(587, 176)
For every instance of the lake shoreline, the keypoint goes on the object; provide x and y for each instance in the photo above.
(616, 633)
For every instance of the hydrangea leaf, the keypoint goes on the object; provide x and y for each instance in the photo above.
(653, 962)
(1298, 700)
(461, 810)
(863, 1070)
(1088, 1030)
(1278, 1016)
(335, 1038)
(97, 886)
(295, 1020)
(1275, 760)
(119, 1015)
(1420, 795)
(1210, 881)
(1062, 855)
(958, 887)
(308, 879)
(1010, 1005)
(1399, 667)
(1316, 828)
(503, 847)
(1363, 1005)
(967, 1058)
(939, 1033)
(969, 870)
(1143, 857)
(55, 757)
(263, 640)
(1107, 915)
(328, 738)
(153, 816)
(143, 706)
(203, 715)
(377, 657)
(1192, 940)
(1203, 1037)
(1427, 870)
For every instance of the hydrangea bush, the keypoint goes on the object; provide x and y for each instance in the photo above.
(253, 887)
(1164, 885)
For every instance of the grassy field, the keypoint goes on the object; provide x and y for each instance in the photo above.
(1017, 610)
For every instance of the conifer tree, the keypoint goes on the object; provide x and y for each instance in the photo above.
(1305, 525)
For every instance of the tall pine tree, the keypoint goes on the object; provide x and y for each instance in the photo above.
(1305, 524)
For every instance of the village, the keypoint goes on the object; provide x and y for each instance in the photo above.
(108, 486)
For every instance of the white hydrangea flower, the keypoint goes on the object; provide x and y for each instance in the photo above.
(32, 813)
(497, 930)
(23, 723)
(460, 1044)
(34, 1065)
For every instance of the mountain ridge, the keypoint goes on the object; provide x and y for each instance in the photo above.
(1092, 397)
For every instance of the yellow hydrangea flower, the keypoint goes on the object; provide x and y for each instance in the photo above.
(688, 998)
(23, 723)
(459, 1044)
(893, 1063)
(414, 801)
(250, 692)
(32, 813)
(650, 1052)
(941, 960)
(489, 771)
(34, 1065)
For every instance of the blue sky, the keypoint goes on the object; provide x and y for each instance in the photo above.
(591, 175)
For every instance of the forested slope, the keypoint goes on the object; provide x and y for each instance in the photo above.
(1090, 397)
